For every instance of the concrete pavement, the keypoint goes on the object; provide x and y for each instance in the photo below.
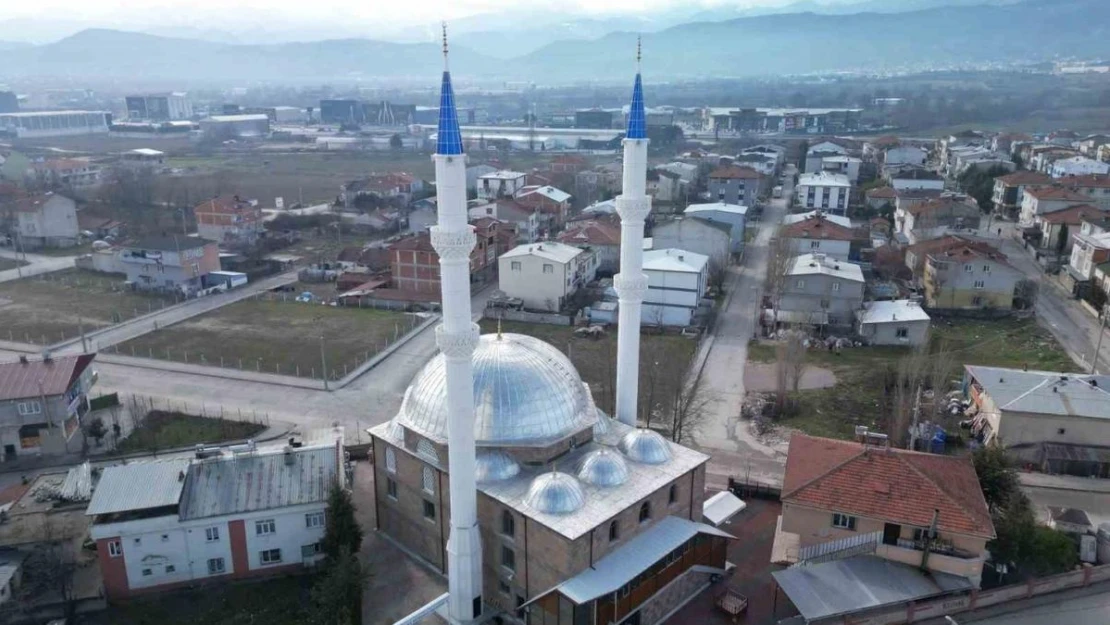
(37, 264)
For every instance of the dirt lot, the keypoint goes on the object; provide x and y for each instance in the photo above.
(10, 263)
(51, 307)
(277, 337)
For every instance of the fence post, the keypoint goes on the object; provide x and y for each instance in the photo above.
(150, 352)
(221, 362)
(186, 355)
(168, 354)
(240, 364)
(298, 370)
(132, 350)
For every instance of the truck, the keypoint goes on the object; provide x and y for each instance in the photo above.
(777, 192)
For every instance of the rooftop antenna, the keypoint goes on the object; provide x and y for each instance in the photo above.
(444, 24)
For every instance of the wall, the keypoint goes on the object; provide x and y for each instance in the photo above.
(1019, 427)
(527, 317)
(693, 235)
(539, 290)
(955, 287)
(842, 303)
(672, 297)
(832, 248)
(403, 518)
(886, 333)
(832, 199)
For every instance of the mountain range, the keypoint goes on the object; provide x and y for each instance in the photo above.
(794, 43)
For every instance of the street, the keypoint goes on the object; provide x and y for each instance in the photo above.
(38, 264)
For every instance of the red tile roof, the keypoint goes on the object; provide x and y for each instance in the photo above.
(736, 172)
(816, 227)
(943, 204)
(418, 242)
(32, 203)
(1099, 181)
(38, 377)
(1074, 215)
(1025, 177)
(882, 192)
(229, 204)
(884, 483)
(590, 232)
(942, 244)
(1057, 193)
(886, 141)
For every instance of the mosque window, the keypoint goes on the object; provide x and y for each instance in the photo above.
(672, 496)
(429, 481)
(508, 524)
(614, 531)
(426, 450)
(390, 460)
(645, 511)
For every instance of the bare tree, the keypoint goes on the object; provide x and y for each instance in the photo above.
(688, 409)
(49, 568)
(779, 259)
(790, 366)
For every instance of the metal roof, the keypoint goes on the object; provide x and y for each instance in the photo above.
(672, 259)
(550, 250)
(633, 558)
(823, 179)
(861, 583)
(637, 118)
(37, 378)
(721, 507)
(892, 311)
(259, 481)
(139, 486)
(1045, 392)
(723, 207)
(813, 264)
(449, 137)
(836, 219)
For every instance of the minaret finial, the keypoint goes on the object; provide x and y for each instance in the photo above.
(499, 328)
(444, 46)
(638, 53)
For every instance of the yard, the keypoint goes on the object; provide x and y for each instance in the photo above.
(170, 430)
(277, 337)
(53, 307)
(860, 396)
(664, 359)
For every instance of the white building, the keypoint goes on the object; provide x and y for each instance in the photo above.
(230, 513)
(824, 190)
(898, 322)
(905, 155)
(677, 280)
(544, 275)
(732, 214)
(1078, 166)
(474, 172)
(687, 172)
(143, 157)
(817, 153)
(53, 123)
(694, 234)
(47, 220)
(228, 127)
(842, 164)
(500, 184)
(1087, 252)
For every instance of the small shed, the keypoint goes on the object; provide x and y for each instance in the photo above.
(720, 508)
(897, 322)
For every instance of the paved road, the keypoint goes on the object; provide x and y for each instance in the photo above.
(167, 316)
(1068, 609)
(723, 434)
(38, 264)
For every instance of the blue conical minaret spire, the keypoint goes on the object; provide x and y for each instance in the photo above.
(449, 140)
(637, 119)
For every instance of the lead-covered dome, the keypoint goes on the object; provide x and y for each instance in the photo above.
(555, 493)
(645, 446)
(526, 392)
(603, 467)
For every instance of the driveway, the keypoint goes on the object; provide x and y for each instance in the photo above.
(723, 435)
(37, 264)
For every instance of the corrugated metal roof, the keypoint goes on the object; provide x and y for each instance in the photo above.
(860, 583)
(1045, 392)
(891, 311)
(621, 566)
(260, 481)
(139, 486)
(721, 507)
(38, 377)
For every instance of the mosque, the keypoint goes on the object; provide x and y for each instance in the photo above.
(501, 472)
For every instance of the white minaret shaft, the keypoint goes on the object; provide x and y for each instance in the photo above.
(453, 239)
(633, 205)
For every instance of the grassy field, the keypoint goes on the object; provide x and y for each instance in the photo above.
(664, 359)
(860, 397)
(168, 430)
(274, 601)
(53, 306)
(277, 337)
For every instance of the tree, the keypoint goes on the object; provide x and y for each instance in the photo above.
(395, 142)
(779, 260)
(49, 568)
(338, 593)
(980, 184)
(997, 476)
(1062, 238)
(689, 407)
(341, 529)
(96, 430)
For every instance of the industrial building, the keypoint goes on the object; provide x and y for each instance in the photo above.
(235, 126)
(162, 107)
(786, 121)
(39, 124)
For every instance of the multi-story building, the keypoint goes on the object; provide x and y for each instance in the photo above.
(1095, 186)
(819, 290)
(66, 173)
(733, 215)
(500, 184)
(395, 186)
(1009, 190)
(228, 514)
(936, 218)
(677, 280)
(1089, 250)
(906, 177)
(1078, 166)
(842, 164)
(712, 239)
(229, 220)
(525, 219)
(552, 204)
(732, 184)
(544, 275)
(46, 220)
(824, 190)
(817, 233)
(414, 262)
(905, 155)
(1058, 227)
(163, 107)
(818, 152)
(38, 124)
(170, 264)
(603, 237)
(1042, 200)
(42, 402)
(228, 127)
(788, 121)
(969, 277)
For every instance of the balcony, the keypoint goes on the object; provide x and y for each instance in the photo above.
(942, 557)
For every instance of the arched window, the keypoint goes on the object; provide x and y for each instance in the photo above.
(429, 481)
(614, 531)
(672, 496)
(390, 460)
(645, 511)
(426, 450)
(508, 524)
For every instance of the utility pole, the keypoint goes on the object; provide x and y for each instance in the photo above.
(1098, 343)
(81, 329)
(916, 415)
(324, 362)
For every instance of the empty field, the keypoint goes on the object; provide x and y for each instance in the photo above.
(54, 306)
(169, 430)
(277, 337)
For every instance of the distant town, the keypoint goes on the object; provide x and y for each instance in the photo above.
(480, 359)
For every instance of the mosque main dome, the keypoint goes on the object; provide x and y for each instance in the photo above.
(526, 393)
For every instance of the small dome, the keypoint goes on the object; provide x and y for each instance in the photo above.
(646, 446)
(493, 465)
(555, 493)
(603, 467)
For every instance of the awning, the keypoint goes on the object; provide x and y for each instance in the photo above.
(720, 508)
(861, 583)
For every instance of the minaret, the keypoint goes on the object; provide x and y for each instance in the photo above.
(453, 239)
(633, 205)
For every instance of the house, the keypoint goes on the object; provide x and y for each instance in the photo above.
(1005, 142)
(1009, 190)
(228, 514)
(935, 218)
(873, 149)
(765, 164)
(544, 275)
(422, 215)
(603, 237)
(525, 219)
(818, 151)
(777, 152)
(969, 277)
(905, 155)
(46, 220)
(42, 402)
(731, 214)
(569, 164)
(898, 322)
(66, 173)
(500, 184)
(1078, 166)
(476, 171)
(414, 263)
(732, 184)
(677, 280)
(398, 187)
(687, 172)
(915, 254)
(852, 507)
(819, 290)
(842, 164)
(665, 186)
(1095, 186)
(1089, 145)
(880, 197)
(824, 190)
(1043, 200)
(693, 234)
(916, 178)
(1065, 417)
(229, 220)
(819, 233)
(1088, 251)
(170, 264)
(143, 158)
(1058, 227)
(553, 204)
